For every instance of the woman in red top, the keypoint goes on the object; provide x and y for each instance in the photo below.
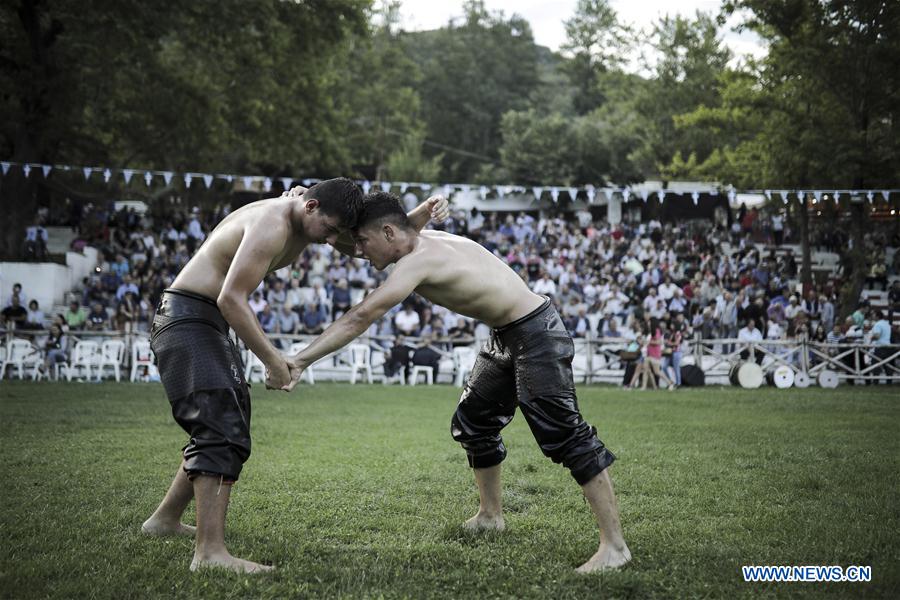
(654, 358)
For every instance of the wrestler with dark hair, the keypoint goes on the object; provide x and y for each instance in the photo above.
(200, 366)
(526, 363)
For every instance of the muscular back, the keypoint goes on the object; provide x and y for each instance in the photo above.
(267, 219)
(464, 277)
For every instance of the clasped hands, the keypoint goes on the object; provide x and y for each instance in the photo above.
(286, 374)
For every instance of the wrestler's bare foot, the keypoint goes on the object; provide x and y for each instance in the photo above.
(483, 521)
(227, 561)
(156, 527)
(606, 557)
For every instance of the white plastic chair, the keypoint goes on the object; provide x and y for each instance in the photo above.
(422, 370)
(141, 356)
(254, 369)
(84, 356)
(112, 353)
(20, 354)
(298, 347)
(359, 361)
(463, 359)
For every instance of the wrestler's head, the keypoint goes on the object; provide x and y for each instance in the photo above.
(382, 229)
(330, 208)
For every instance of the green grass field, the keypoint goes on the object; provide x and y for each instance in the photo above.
(359, 491)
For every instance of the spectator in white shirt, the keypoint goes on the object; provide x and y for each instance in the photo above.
(545, 286)
(749, 333)
(407, 321)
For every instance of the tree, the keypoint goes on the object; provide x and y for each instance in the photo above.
(596, 43)
(166, 87)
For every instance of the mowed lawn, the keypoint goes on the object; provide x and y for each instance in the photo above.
(359, 491)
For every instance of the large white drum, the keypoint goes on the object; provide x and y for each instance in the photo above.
(828, 379)
(748, 375)
(801, 379)
(781, 377)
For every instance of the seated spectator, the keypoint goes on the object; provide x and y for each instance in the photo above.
(257, 302)
(97, 319)
(14, 315)
(314, 319)
(55, 348)
(407, 321)
(35, 318)
(127, 287)
(17, 293)
(75, 316)
(400, 356)
(288, 321)
(750, 334)
(277, 296)
(426, 355)
(340, 299)
(267, 319)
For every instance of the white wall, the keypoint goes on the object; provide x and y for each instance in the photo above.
(45, 282)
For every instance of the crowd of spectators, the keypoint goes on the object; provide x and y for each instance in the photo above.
(654, 283)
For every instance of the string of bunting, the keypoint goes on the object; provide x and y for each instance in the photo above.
(591, 193)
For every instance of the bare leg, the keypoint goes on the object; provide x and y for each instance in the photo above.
(613, 551)
(210, 551)
(490, 510)
(166, 520)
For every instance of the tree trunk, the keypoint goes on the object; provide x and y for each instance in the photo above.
(858, 262)
(806, 264)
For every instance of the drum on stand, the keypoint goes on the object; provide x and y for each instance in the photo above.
(828, 379)
(801, 379)
(748, 375)
(781, 377)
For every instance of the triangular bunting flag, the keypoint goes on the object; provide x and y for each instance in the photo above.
(267, 184)
(107, 175)
(591, 194)
(26, 169)
(46, 169)
(661, 195)
(554, 194)
(127, 174)
(644, 195)
(403, 187)
(167, 176)
(208, 179)
(768, 194)
(626, 194)
(837, 196)
(483, 191)
(5, 166)
(573, 193)
(886, 194)
(424, 186)
(817, 195)
(695, 196)
(385, 186)
(465, 188)
(87, 173)
(188, 178)
(448, 189)
(500, 192)
(248, 182)
(366, 186)
(286, 183)
(871, 197)
(537, 191)
(731, 195)
(148, 177)
(228, 178)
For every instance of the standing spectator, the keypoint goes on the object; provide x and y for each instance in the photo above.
(827, 313)
(881, 338)
(673, 353)
(195, 235)
(35, 247)
(127, 313)
(75, 316)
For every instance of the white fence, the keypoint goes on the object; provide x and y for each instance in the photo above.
(597, 360)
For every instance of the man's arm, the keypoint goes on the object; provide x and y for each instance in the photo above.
(408, 274)
(248, 267)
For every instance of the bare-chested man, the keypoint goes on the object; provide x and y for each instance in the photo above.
(201, 368)
(526, 363)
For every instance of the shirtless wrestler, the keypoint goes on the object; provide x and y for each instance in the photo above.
(527, 362)
(201, 368)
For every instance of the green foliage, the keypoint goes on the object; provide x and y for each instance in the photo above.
(359, 492)
(408, 163)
